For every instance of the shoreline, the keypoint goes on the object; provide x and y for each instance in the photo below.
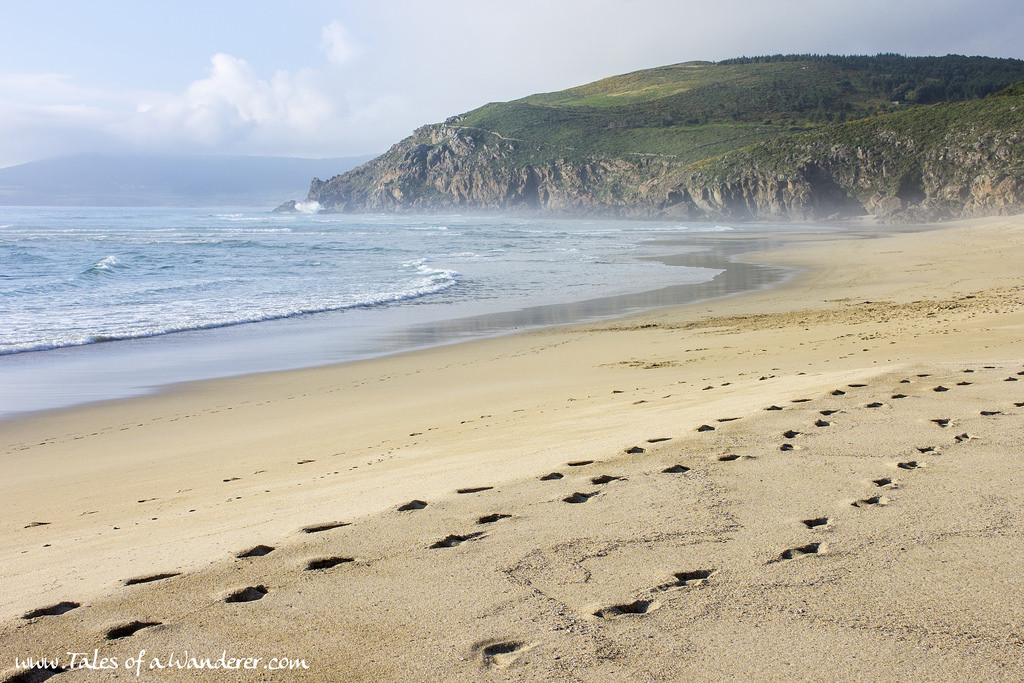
(35, 381)
(181, 482)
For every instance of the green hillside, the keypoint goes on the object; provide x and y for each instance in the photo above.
(926, 163)
(785, 137)
(695, 110)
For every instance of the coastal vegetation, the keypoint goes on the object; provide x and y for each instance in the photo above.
(777, 137)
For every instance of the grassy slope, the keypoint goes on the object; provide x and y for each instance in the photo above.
(688, 112)
(964, 134)
(867, 125)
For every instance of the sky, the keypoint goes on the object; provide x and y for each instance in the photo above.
(323, 78)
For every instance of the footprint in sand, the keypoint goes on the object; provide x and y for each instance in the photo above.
(690, 579)
(256, 551)
(941, 421)
(490, 519)
(838, 392)
(52, 610)
(705, 428)
(898, 396)
(579, 497)
(474, 489)
(676, 469)
(327, 563)
(129, 629)
(658, 439)
(826, 413)
(151, 578)
(454, 540)
(990, 413)
(908, 465)
(35, 524)
(249, 594)
(412, 505)
(580, 463)
(552, 476)
(814, 522)
(604, 479)
(884, 482)
(875, 404)
(940, 389)
(786, 447)
(635, 450)
(774, 408)
(790, 434)
(635, 607)
(501, 654)
(326, 526)
(822, 423)
(799, 551)
(870, 502)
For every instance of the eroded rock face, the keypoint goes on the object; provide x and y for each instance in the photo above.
(893, 176)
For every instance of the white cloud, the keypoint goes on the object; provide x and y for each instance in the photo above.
(338, 44)
(231, 98)
(234, 110)
(47, 114)
(443, 58)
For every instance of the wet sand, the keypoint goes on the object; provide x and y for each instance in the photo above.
(819, 481)
(75, 375)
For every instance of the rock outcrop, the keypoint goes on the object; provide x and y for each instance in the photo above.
(445, 167)
(932, 163)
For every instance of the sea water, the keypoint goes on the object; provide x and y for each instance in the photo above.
(180, 294)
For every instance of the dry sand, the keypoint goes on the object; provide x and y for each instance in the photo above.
(823, 481)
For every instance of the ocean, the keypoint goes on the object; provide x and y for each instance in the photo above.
(99, 303)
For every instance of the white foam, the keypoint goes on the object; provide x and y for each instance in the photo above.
(309, 207)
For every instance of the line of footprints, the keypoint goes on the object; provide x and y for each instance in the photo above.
(882, 482)
(493, 653)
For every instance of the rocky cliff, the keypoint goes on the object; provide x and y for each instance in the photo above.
(946, 161)
(449, 168)
(915, 163)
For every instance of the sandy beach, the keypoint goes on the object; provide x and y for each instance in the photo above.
(820, 481)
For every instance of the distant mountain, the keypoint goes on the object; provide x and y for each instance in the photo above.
(785, 137)
(163, 180)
